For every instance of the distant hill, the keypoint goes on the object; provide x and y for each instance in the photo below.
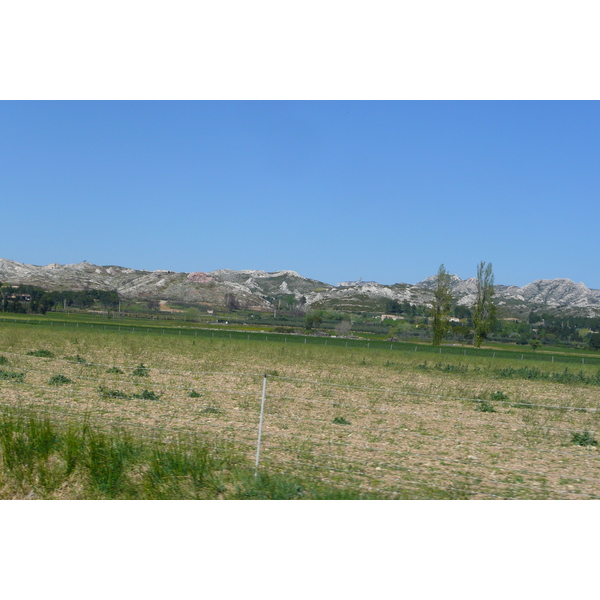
(260, 290)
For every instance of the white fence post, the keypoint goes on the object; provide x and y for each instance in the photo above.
(260, 424)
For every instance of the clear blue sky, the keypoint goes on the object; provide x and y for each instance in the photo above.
(385, 190)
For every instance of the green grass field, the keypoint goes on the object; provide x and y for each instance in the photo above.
(343, 418)
(84, 322)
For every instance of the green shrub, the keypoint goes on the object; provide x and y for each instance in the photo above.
(41, 353)
(146, 395)
(108, 393)
(59, 380)
(12, 376)
(484, 406)
(584, 439)
(141, 371)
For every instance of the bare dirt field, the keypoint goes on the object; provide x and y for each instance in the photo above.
(386, 423)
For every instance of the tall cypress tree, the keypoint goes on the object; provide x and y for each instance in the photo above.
(442, 297)
(484, 309)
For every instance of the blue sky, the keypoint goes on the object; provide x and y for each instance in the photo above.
(383, 190)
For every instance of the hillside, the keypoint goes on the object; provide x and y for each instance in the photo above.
(261, 290)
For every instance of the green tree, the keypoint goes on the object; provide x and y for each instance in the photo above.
(343, 328)
(393, 307)
(314, 320)
(231, 302)
(594, 342)
(461, 312)
(442, 297)
(484, 308)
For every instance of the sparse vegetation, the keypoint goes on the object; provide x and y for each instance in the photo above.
(108, 393)
(59, 380)
(147, 395)
(76, 359)
(340, 420)
(484, 406)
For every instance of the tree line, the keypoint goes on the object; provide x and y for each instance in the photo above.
(35, 300)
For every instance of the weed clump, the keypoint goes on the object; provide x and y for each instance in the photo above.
(498, 396)
(3, 360)
(210, 410)
(12, 376)
(108, 393)
(59, 380)
(194, 394)
(535, 374)
(266, 486)
(584, 439)
(76, 359)
(444, 368)
(106, 459)
(340, 421)
(451, 368)
(141, 371)
(146, 395)
(484, 406)
(41, 353)
(114, 371)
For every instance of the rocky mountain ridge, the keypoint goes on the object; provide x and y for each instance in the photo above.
(262, 290)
